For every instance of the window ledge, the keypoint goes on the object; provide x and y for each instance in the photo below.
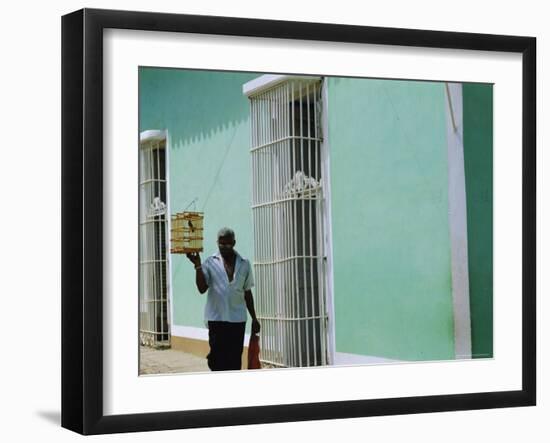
(152, 135)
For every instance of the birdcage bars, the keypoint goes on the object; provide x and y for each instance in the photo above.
(186, 232)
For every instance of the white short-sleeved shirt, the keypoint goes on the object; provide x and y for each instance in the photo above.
(225, 299)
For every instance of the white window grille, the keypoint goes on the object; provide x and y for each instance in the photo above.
(154, 326)
(288, 214)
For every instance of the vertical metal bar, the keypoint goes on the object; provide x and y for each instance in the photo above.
(319, 284)
(276, 237)
(318, 223)
(288, 255)
(150, 274)
(277, 208)
(253, 119)
(322, 178)
(269, 226)
(303, 259)
(288, 210)
(269, 218)
(261, 115)
(164, 262)
(158, 246)
(279, 244)
(316, 131)
(257, 211)
(163, 325)
(288, 275)
(155, 243)
(268, 279)
(283, 264)
(260, 213)
(315, 223)
(252, 105)
(147, 314)
(310, 234)
(294, 225)
(320, 228)
(322, 159)
(272, 224)
(284, 153)
(151, 266)
(253, 159)
(141, 239)
(260, 142)
(274, 184)
(261, 178)
(146, 245)
(272, 197)
(155, 254)
(140, 250)
(321, 278)
(256, 218)
(166, 245)
(152, 240)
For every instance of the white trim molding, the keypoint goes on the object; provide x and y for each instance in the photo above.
(190, 332)
(152, 135)
(168, 231)
(458, 228)
(344, 359)
(325, 146)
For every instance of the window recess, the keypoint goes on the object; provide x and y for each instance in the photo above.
(288, 209)
(154, 328)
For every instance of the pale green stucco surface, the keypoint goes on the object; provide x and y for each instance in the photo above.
(392, 271)
(207, 118)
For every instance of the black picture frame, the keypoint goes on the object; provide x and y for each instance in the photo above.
(82, 218)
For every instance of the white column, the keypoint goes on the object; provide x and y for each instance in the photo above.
(458, 222)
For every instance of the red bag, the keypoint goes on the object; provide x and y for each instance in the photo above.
(254, 352)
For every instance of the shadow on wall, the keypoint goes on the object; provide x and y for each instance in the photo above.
(193, 105)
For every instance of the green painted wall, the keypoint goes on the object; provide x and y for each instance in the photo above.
(478, 166)
(207, 118)
(392, 271)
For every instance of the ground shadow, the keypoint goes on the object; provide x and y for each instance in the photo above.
(53, 417)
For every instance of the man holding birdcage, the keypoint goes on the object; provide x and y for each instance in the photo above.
(228, 279)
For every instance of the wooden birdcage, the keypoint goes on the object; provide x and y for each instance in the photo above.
(186, 232)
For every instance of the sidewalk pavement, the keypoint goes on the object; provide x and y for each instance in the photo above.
(169, 361)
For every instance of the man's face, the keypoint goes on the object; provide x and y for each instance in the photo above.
(225, 245)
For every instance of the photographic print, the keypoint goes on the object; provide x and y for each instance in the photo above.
(292, 206)
(292, 221)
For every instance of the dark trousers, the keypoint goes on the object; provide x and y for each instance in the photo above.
(226, 345)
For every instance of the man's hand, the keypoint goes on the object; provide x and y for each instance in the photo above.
(255, 326)
(195, 258)
(249, 300)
